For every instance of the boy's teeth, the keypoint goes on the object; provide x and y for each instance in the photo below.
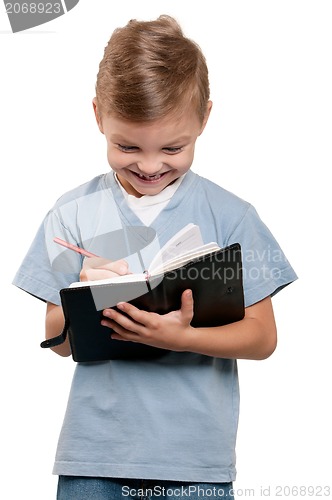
(150, 177)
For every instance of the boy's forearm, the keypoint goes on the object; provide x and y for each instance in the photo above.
(254, 337)
(251, 338)
(53, 326)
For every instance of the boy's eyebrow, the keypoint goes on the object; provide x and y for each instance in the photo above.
(121, 139)
(179, 140)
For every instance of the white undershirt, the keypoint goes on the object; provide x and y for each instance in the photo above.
(148, 207)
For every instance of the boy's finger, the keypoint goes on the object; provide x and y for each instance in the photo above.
(187, 305)
(97, 274)
(118, 267)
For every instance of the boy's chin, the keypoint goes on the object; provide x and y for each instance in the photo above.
(139, 192)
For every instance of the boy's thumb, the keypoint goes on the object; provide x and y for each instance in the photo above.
(187, 305)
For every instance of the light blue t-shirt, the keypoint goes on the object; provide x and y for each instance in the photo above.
(174, 418)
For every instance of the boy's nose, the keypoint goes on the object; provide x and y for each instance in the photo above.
(150, 167)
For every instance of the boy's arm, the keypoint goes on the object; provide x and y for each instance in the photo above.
(93, 269)
(53, 327)
(254, 337)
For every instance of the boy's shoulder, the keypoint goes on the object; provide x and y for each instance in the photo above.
(220, 197)
(87, 188)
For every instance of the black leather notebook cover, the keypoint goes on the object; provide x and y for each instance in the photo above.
(215, 280)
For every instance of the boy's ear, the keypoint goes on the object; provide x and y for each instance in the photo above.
(206, 117)
(97, 115)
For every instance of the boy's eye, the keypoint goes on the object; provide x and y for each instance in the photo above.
(127, 149)
(172, 150)
(130, 149)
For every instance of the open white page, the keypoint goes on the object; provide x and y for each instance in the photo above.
(182, 242)
(179, 260)
(126, 278)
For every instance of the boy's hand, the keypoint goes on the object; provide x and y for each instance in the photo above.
(168, 331)
(97, 268)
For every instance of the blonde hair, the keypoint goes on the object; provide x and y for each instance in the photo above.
(151, 70)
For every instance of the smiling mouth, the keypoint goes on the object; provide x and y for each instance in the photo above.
(150, 178)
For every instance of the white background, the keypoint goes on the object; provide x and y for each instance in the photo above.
(268, 140)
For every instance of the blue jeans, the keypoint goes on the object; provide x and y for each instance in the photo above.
(99, 488)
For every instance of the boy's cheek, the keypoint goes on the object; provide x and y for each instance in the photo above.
(118, 160)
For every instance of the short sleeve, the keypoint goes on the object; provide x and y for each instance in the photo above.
(47, 267)
(266, 269)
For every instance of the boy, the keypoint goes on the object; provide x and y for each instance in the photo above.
(137, 427)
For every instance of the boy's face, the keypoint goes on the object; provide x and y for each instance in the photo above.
(149, 157)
